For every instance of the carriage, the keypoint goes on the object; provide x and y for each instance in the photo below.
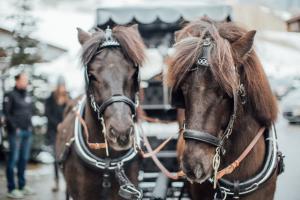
(157, 24)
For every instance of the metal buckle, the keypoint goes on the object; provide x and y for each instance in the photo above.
(206, 41)
(128, 191)
(106, 180)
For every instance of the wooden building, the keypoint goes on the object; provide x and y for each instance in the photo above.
(293, 24)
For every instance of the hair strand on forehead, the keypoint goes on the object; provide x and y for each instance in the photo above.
(227, 68)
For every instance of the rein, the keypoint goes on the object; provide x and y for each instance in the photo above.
(177, 175)
(230, 168)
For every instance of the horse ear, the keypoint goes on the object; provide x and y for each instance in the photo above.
(83, 36)
(244, 44)
(176, 34)
(135, 27)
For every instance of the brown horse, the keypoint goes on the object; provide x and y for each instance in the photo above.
(111, 59)
(217, 77)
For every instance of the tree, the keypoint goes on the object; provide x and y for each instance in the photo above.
(25, 52)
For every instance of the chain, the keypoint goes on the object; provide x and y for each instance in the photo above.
(216, 165)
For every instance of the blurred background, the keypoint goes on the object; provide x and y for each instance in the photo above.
(40, 37)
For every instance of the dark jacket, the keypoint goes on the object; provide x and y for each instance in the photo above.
(18, 108)
(54, 113)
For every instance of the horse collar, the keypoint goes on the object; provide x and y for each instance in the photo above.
(87, 156)
(273, 160)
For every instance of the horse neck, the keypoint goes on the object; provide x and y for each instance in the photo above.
(245, 129)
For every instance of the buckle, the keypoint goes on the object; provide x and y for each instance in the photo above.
(128, 191)
(280, 164)
(106, 180)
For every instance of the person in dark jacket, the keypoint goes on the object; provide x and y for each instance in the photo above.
(18, 110)
(55, 106)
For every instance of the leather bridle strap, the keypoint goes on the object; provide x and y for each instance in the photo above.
(152, 154)
(114, 99)
(86, 133)
(201, 137)
(230, 168)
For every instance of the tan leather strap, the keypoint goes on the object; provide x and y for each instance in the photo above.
(152, 154)
(157, 149)
(230, 168)
(86, 132)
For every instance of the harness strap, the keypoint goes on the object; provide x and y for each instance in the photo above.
(156, 150)
(86, 132)
(65, 152)
(236, 189)
(152, 154)
(202, 137)
(229, 169)
(127, 189)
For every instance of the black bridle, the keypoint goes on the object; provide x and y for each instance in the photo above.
(110, 42)
(205, 137)
(273, 160)
(127, 189)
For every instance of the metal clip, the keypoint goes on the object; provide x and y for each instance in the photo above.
(242, 93)
(206, 41)
(128, 191)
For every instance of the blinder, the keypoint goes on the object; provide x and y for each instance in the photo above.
(177, 98)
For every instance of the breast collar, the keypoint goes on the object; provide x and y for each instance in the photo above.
(87, 156)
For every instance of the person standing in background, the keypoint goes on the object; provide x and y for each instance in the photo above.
(54, 108)
(18, 108)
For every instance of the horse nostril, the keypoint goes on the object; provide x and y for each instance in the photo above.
(123, 139)
(188, 171)
(113, 132)
(198, 171)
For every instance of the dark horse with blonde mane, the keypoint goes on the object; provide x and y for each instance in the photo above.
(96, 141)
(227, 147)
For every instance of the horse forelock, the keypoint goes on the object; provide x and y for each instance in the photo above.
(222, 64)
(131, 43)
